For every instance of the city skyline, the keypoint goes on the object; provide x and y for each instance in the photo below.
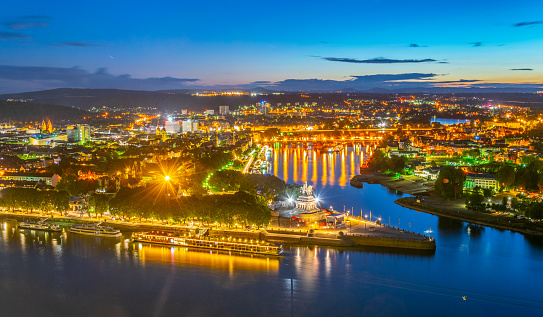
(285, 46)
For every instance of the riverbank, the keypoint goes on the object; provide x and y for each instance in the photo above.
(455, 209)
(406, 184)
(376, 236)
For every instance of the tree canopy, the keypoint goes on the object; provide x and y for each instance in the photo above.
(450, 182)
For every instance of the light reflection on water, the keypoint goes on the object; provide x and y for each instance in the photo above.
(86, 276)
(208, 259)
(306, 164)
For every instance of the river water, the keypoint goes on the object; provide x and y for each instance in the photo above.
(498, 272)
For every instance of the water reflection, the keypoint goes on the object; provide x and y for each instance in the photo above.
(330, 167)
(208, 259)
(448, 225)
(76, 275)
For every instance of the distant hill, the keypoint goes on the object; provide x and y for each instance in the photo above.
(164, 100)
(170, 100)
(31, 111)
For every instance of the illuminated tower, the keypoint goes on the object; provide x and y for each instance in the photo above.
(49, 126)
(43, 126)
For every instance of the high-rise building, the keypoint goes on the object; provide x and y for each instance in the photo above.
(190, 126)
(78, 133)
(264, 107)
(172, 127)
(224, 110)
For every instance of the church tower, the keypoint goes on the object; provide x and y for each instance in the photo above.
(49, 126)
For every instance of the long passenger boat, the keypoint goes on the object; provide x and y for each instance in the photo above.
(213, 243)
(95, 229)
(40, 225)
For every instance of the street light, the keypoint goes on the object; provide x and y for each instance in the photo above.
(167, 178)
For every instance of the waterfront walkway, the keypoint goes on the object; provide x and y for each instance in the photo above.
(456, 209)
(408, 184)
(362, 233)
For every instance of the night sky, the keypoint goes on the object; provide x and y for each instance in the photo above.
(296, 45)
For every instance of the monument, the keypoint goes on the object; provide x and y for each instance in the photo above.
(306, 206)
(306, 201)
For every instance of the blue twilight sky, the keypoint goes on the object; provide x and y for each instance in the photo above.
(300, 45)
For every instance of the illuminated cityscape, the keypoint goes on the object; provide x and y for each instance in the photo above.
(235, 159)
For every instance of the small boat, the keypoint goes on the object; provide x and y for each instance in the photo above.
(95, 229)
(40, 225)
(224, 244)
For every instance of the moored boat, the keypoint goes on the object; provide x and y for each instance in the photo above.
(40, 225)
(95, 229)
(215, 243)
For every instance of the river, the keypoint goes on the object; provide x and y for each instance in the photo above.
(498, 272)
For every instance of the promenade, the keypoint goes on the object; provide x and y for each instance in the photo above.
(357, 233)
(456, 209)
(408, 184)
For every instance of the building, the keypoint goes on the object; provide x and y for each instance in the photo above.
(264, 107)
(481, 180)
(430, 173)
(224, 110)
(190, 126)
(47, 139)
(79, 133)
(44, 178)
(172, 127)
(209, 112)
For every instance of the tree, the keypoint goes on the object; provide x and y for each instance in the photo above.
(450, 182)
(99, 202)
(535, 211)
(487, 192)
(506, 176)
(396, 163)
(540, 182)
(377, 161)
(474, 201)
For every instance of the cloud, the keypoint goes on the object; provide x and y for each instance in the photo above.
(29, 21)
(476, 44)
(19, 77)
(417, 45)
(377, 60)
(507, 85)
(460, 81)
(392, 77)
(12, 36)
(24, 25)
(76, 44)
(357, 82)
(526, 69)
(527, 23)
